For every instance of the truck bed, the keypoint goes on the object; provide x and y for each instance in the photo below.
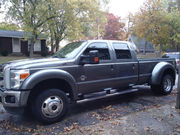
(146, 66)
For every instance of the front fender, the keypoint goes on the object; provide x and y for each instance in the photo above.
(43, 75)
(158, 72)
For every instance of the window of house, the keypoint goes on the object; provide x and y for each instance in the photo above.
(122, 51)
(101, 47)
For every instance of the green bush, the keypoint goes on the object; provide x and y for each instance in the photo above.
(4, 53)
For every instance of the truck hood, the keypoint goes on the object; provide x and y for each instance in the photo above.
(38, 63)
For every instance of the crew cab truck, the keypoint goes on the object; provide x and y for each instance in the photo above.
(46, 86)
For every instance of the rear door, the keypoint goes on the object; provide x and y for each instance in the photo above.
(96, 77)
(126, 65)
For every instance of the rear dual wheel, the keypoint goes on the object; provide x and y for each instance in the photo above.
(165, 86)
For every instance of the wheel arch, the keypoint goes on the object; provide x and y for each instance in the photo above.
(49, 78)
(160, 70)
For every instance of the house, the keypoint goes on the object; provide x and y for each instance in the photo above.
(142, 44)
(18, 42)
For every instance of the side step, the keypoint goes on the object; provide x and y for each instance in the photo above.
(104, 94)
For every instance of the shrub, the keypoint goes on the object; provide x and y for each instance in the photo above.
(4, 53)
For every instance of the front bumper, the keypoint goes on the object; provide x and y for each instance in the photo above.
(10, 98)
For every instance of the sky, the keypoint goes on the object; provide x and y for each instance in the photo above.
(123, 7)
(118, 7)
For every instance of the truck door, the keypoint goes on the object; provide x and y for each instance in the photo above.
(94, 77)
(126, 66)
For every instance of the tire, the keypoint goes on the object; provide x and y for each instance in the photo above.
(165, 87)
(50, 106)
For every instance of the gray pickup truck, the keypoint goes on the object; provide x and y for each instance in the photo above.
(46, 86)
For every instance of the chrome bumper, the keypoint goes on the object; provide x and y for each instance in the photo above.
(10, 98)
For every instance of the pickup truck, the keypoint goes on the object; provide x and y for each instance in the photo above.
(46, 86)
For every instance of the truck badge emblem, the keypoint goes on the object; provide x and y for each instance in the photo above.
(83, 77)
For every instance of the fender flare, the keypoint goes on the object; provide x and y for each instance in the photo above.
(158, 72)
(43, 75)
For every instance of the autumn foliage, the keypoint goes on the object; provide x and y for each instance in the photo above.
(115, 29)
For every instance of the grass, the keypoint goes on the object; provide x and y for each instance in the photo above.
(11, 58)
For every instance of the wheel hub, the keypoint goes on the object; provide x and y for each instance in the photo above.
(52, 106)
(167, 85)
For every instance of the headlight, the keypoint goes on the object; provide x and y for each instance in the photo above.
(17, 77)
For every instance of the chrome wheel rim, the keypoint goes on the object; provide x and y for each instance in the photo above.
(52, 106)
(167, 85)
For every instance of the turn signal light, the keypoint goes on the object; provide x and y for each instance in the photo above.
(24, 76)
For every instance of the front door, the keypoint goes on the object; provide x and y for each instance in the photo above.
(96, 77)
(16, 46)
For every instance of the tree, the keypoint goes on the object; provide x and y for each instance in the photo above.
(7, 26)
(152, 23)
(114, 30)
(76, 20)
(31, 15)
(159, 22)
(60, 19)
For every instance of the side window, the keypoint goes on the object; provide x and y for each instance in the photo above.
(122, 51)
(101, 47)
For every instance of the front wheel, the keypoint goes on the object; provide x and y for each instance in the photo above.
(50, 106)
(165, 87)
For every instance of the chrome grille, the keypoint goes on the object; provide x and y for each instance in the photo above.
(6, 79)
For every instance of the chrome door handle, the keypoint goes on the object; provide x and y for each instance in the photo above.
(134, 66)
(112, 67)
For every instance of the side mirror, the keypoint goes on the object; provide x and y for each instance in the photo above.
(92, 58)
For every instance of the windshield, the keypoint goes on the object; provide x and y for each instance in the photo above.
(70, 50)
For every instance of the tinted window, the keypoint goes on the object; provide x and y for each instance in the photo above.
(122, 51)
(102, 48)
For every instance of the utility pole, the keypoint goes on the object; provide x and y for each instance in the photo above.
(178, 91)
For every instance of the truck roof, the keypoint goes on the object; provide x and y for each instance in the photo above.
(108, 41)
(131, 45)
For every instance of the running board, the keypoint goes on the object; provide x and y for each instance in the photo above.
(90, 97)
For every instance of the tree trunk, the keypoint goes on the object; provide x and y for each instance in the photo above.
(177, 47)
(31, 49)
(160, 50)
(57, 45)
(144, 51)
(52, 46)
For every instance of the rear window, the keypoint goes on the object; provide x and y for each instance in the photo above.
(122, 51)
